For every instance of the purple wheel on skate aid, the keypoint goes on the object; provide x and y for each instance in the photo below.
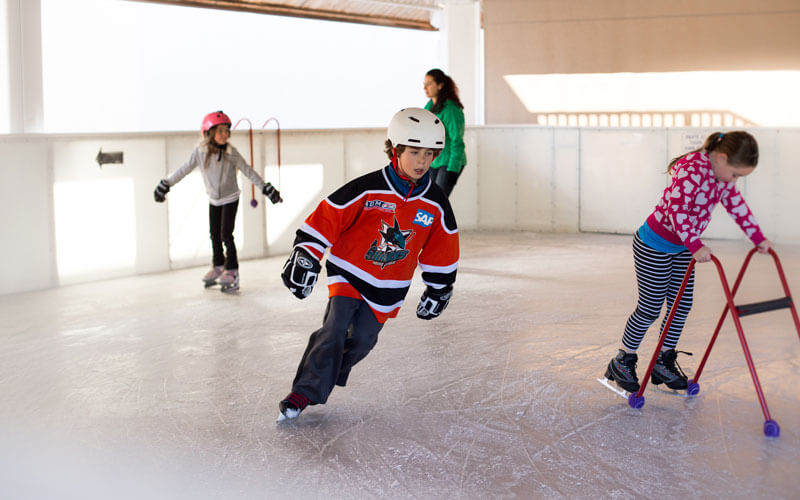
(635, 401)
(253, 203)
(693, 388)
(772, 429)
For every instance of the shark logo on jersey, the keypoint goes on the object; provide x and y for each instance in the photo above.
(392, 245)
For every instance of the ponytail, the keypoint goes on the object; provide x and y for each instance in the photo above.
(740, 147)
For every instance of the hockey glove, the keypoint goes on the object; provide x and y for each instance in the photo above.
(300, 273)
(433, 302)
(273, 194)
(160, 193)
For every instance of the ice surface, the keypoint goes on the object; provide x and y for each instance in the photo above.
(154, 387)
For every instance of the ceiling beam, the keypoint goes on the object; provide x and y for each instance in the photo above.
(285, 10)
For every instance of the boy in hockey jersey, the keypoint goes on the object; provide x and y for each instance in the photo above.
(378, 227)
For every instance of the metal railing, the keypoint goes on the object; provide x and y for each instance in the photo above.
(688, 118)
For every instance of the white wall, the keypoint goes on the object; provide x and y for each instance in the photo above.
(461, 31)
(648, 45)
(27, 259)
(527, 179)
(21, 62)
(5, 70)
(624, 171)
(68, 220)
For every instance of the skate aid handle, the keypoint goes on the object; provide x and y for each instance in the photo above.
(433, 302)
(767, 305)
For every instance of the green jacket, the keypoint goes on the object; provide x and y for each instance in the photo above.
(453, 156)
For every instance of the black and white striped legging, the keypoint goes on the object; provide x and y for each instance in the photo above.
(658, 276)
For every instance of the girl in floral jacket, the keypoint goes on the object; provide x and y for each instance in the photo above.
(669, 239)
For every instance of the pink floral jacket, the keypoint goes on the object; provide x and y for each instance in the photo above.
(684, 210)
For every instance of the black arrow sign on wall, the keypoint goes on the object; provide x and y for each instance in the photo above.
(103, 158)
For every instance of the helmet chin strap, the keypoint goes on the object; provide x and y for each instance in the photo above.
(396, 165)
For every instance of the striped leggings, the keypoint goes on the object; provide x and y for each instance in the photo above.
(658, 276)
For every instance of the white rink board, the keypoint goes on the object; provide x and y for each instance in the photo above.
(622, 176)
(98, 203)
(27, 261)
(517, 177)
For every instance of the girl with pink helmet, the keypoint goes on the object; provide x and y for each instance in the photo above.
(219, 162)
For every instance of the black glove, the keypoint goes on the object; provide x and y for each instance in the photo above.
(433, 302)
(160, 194)
(300, 273)
(273, 194)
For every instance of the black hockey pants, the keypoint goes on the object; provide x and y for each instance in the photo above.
(349, 332)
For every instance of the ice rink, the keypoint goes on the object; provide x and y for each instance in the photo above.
(154, 387)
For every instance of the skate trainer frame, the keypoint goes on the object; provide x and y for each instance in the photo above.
(771, 427)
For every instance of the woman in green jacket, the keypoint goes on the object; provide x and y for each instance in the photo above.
(445, 104)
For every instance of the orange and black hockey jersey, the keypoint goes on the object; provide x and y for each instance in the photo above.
(378, 227)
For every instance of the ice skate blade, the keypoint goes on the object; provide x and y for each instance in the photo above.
(670, 392)
(282, 417)
(290, 414)
(230, 289)
(623, 394)
(209, 284)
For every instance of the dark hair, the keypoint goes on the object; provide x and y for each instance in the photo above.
(387, 148)
(448, 92)
(740, 147)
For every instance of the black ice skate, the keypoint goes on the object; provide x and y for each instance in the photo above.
(622, 370)
(667, 371)
(292, 405)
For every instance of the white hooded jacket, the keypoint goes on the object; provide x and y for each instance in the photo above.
(220, 175)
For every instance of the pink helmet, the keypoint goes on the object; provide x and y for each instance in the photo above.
(214, 119)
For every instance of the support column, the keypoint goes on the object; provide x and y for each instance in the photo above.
(461, 27)
(24, 49)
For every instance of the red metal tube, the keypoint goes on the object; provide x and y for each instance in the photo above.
(278, 138)
(664, 330)
(253, 201)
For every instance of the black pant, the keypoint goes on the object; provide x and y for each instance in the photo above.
(220, 222)
(445, 179)
(349, 332)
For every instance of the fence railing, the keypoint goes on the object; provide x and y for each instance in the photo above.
(692, 118)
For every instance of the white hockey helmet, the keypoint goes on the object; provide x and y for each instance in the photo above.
(416, 127)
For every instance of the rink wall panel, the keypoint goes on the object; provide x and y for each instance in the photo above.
(70, 220)
(26, 222)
